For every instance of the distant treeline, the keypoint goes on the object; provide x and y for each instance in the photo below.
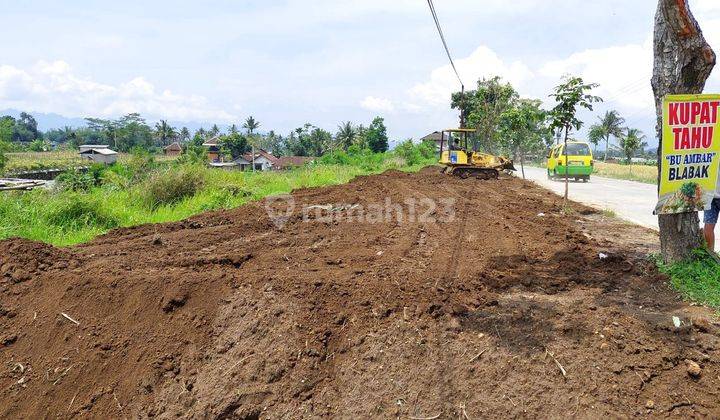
(132, 132)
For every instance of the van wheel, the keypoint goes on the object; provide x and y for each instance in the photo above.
(586, 179)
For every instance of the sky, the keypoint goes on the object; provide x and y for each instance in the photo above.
(288, 62)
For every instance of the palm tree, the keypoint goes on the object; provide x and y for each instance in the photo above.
(233, 129)
(251, 124)
(184, 135)
(346, 135)
(612, 124)
(164, 132)
(596, 133)
(631, 142)
(214, 130)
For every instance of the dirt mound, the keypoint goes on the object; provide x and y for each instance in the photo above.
(400, 294)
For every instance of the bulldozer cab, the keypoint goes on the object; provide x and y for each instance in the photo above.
(454, 146)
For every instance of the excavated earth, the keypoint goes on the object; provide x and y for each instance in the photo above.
(394, 296)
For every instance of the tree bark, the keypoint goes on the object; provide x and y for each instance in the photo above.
(683, 62)
(567, 166)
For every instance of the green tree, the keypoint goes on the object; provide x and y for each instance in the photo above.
(484, 108)
(523, 129)
(193, 154)
(631, 142)
(376, 136)
(165, 133)
(184, 135)
(346, 134)
(60, 135)
(360, 140)
(214, 130)
(569, 95)
(132, 131)
(276, 144)
(612, 125)
(106, 131)
(4, 147)
(39, 145)
(235, 144)
(26, 128)
(7, 128)
(595, 135)
(251, 124)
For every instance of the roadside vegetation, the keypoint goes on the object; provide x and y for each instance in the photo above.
(695, 279)
(141, 190)
(639, 173)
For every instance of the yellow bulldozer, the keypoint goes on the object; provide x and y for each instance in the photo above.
(459, 160)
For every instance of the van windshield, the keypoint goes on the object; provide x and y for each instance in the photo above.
(578, 149)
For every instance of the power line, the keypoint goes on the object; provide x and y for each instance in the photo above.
(442, 38)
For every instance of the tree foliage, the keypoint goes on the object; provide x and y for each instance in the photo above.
(612, 126)
(484, 107)
(376, 136)
(570, 95)
(234, 144)
(524, 129)
(631, 142)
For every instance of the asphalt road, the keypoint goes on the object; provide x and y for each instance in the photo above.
(629, 200)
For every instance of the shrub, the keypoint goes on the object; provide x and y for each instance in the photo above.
(413, 153)
(171, 185)
(75, 180)
(76, 211)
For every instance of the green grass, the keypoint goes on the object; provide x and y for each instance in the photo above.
(640, 173)
(697, 280)
(63, 217)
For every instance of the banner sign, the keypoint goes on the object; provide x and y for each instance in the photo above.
(690, 153)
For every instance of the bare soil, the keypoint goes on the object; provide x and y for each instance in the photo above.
(495, 304)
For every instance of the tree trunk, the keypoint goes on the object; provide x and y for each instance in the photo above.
(567, 166)
(683, 62)
(607, 146)
(522, 163)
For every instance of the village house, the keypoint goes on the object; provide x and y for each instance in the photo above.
(173, 149)
(264, 160)
(436, 137)
(98, 153)
(213, 149)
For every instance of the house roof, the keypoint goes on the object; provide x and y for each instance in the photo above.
(94, 146)
(261, 153)
(223, 164)
(434, 136)
(241, 160)
(173, 146)
(290, 161)
(98, 151)
(213, 141)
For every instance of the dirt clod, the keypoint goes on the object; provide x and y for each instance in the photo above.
(693, 369)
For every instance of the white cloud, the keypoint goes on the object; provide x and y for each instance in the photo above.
(372, 103)
(483, 62)
(623, 73)
(705, 6)
(53, 87)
